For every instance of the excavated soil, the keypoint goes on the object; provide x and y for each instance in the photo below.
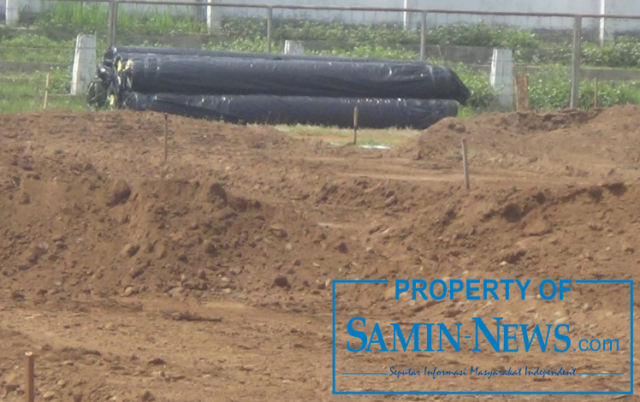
(208, 277)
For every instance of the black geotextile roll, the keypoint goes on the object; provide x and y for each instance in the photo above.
(128, 52)
(267, 109)
(191, 75)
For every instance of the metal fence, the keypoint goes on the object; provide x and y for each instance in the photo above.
(567, 60)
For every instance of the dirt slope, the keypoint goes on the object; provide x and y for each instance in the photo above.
(212, 272)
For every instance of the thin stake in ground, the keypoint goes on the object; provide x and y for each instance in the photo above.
(355, 125)
(46, 92)
(30, 366)
(465, 164)
(166, 135)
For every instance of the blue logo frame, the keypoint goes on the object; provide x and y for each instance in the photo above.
(384, 281)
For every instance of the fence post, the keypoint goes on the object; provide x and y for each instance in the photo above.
(214, 18)
(12, 12)
(269, 22)
(113, 21)
(423, 35)
(406, 16)
(84, 63)
(603, 27)
(501, 77)
(293, 47)
(575, 63)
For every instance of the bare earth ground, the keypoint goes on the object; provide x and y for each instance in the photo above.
(208, 278)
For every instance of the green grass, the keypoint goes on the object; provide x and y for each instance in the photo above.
(23, 92)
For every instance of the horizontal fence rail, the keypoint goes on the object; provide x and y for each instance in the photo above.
(365, 9)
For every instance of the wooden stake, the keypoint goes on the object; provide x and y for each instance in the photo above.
(465, 164)
(30, 388)
(595, 95)
(166, 135)
(46, 92)
(355, 125)
(522, 93)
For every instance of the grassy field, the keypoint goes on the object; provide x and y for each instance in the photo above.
(47, 42)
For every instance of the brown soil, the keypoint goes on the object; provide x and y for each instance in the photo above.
(208, 277)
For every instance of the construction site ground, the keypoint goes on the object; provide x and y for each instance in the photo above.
(208, 277)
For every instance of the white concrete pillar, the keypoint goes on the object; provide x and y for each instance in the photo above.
(606, 25)
(12, 12)
(214, 18)
(84, 64)
(406, 16)
(293, 47)
(502, 77)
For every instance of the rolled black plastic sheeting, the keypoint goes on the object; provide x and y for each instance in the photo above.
(267, 109)
(190, 75)
(128, 52)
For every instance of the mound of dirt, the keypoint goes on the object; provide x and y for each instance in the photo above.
(440, 139)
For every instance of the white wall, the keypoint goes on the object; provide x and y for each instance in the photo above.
(620, 7)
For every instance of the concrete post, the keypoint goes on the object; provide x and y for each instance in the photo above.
(604, 29)
(502, 77)
(12, 12)
(406, 16)
(214, 18)
(575, 63)
(84, 64)
(293, 47)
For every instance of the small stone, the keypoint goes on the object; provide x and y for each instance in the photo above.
(129, 291)
(279, 230)
(9, 388)
(118, 193)
(49, 395)
(136, 272)
(281, 281)
(539, 227)
(342, 248)
(130, 250)
(156, 362)
(595, 226)
(147, 396)
(68, 363)
(62, 383)
(202, 274)
(210, 248)
(586, 307)
(288, 247)
(175, 292)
